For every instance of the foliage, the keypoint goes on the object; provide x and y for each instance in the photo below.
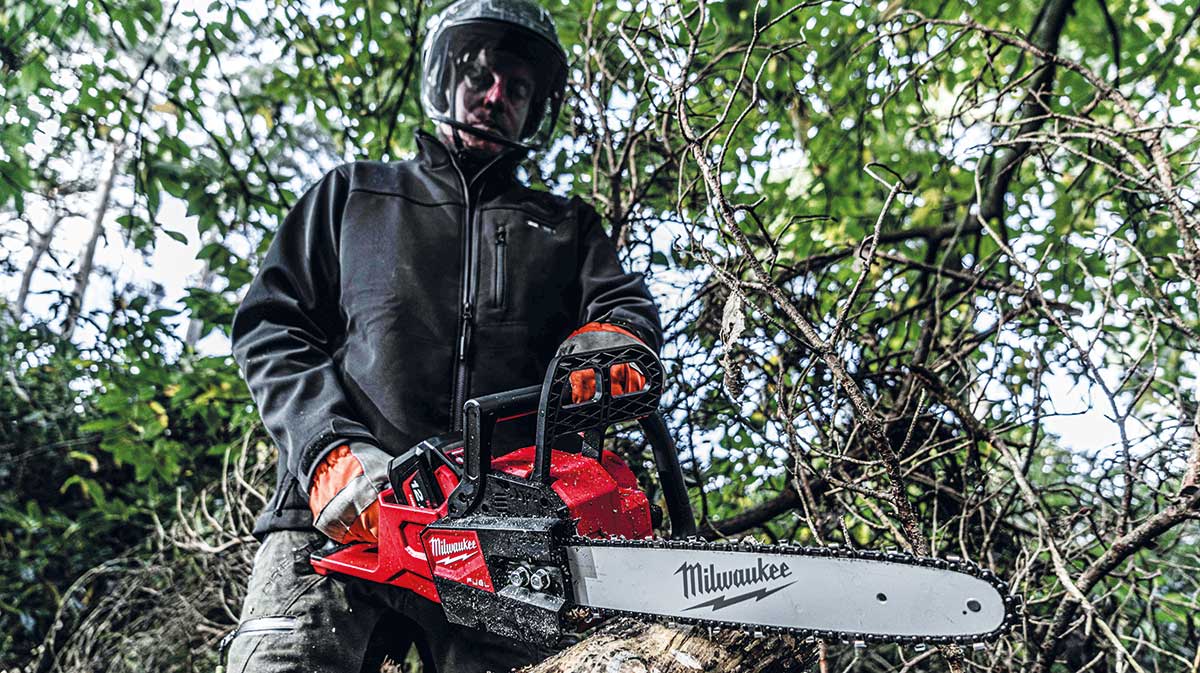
(98, 443)
(889, 237)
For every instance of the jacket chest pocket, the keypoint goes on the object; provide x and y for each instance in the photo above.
(532, 261)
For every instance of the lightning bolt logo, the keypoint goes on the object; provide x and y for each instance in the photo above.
(451, 560)
(721, 601)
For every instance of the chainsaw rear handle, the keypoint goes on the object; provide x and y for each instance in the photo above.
(558, 415)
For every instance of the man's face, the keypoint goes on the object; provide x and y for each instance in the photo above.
(493, 93)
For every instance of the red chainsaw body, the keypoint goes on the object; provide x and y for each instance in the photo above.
(602, 497)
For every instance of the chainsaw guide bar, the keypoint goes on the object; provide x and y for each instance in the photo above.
(696, 591)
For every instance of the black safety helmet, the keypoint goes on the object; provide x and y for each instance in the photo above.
(520, 27)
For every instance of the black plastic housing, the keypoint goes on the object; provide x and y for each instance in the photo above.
(516, 612)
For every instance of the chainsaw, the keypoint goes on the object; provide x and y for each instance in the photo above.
(542, 540)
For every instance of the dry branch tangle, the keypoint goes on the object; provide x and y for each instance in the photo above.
(1155, 176)
(1183, 508)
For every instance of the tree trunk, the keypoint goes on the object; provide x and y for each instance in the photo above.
(632, 646)
(87, 259)
(40, 246)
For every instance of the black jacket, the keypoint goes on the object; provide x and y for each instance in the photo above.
(393, 292)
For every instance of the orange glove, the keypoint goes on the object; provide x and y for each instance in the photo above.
(344, 497)
(625, 379)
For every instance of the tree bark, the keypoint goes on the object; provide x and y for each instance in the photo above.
(1191, 478)
(87, 259)
(632, 646)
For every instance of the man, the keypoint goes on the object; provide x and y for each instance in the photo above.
(391, 294)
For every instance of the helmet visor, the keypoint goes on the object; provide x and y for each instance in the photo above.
(495, 78)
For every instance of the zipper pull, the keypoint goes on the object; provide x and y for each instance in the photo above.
(466, 329)
(502, 235)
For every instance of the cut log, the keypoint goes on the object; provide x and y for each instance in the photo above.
(632, 646)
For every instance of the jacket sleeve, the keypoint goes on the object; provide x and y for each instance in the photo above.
(609, 294)
(287, 327)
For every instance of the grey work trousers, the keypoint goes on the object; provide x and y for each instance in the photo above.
(296, 620)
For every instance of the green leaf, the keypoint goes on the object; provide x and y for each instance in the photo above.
(90, 488)
(211, 251)
(175, 235)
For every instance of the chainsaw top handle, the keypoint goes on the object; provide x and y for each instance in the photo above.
(600, 356)
(603, 354)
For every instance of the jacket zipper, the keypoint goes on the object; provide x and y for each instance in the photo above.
(459, 392)
(498, 281)
(466, 319)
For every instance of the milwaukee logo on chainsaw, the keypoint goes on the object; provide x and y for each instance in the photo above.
(455, 555)
(443, 550)
(700, 580)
